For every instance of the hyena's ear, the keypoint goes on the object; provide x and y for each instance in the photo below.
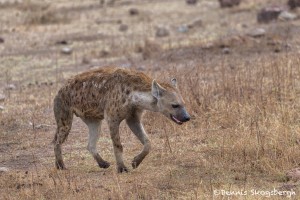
(157, 90)
(174, 82)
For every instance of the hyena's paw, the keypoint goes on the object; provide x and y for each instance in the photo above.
(104, 164)
(136, 162)
(122, 169)
(60, 165)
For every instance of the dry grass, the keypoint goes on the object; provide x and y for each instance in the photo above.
(41, 13)
(244, 135)
(244, 132)
(46, 17)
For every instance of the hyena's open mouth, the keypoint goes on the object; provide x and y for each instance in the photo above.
(177, 121)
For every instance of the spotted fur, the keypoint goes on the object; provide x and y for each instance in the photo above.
(113, 94)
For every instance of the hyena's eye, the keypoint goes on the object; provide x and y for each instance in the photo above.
(175, 105)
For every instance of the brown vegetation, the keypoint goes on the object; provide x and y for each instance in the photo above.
(244, 131)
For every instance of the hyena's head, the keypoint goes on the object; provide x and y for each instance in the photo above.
(170, 102)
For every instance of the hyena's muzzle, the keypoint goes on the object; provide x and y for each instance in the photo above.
(180, 116)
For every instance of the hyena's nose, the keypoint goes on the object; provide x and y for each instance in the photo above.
(187, 118)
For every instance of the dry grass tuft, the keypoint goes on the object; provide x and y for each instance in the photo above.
(42, 13)
(47, 16)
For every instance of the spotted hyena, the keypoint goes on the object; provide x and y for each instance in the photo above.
(114, 94)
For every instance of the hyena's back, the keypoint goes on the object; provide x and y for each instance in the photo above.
(90, 93)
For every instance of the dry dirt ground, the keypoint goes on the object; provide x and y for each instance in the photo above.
(244, 132)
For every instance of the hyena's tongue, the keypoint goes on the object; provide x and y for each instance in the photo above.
(176, 120)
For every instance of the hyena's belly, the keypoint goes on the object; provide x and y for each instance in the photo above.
(89, 112)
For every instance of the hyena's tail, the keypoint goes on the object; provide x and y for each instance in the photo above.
(64, 117)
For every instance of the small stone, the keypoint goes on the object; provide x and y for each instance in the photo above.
(66, 50)
(133, 11)
(287, 46)
(110, 3)
(208, 45)
(138, 48)
(195, 24)
(277, 50)
(4, 169)
(287, 16)
(2, 97)
(229, 3)
(293, 174)
(42, 126)
(294, 3)
(259, 32)
(244, 25)
(183, 29)
(85, 60)
(104, 53)
(126, 65)
(191, 2)
(287, 187)
(141, 68)
(10, 87)
(1, 108)
(62, 42)
(226, 50)
(268, 14)
(151, 49)
(162, 32)
(44, 83)
(30, 84)
(123, 27)
(1, 40)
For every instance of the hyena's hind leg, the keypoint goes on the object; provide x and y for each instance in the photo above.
(94, 133)
(64, 118)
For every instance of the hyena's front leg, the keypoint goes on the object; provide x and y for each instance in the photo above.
(118, 148)
(138, 129)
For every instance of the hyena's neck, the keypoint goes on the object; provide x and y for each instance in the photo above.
(144, 100)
